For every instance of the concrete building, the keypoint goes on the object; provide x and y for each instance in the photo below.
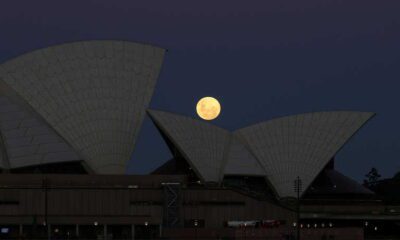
(69, 118)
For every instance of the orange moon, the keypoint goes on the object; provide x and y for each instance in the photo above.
(208, 108)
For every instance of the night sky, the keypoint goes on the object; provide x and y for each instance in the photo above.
(261, 59)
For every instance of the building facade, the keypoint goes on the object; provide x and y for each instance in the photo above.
(69, 119)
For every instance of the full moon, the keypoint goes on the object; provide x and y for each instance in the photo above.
(208, 108)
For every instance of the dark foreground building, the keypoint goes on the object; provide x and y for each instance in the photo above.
(120, 207)
(69, 118)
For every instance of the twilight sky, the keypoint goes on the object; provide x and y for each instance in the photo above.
(261, 59)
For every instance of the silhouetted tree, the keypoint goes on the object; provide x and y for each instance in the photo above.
(372, 178)
(397, 176)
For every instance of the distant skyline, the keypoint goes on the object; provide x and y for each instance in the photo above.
(259, 59)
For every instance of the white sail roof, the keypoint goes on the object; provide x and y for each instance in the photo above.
(212, 151)
(28, 141)
(280, 149)
(300, 145)
(240, 161)
(93, 94)
(201, 143)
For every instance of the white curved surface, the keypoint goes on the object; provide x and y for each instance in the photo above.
(201, 143)
(93, 93)
(240, 161)
(300, 145)
(212, 151)
(27, 140)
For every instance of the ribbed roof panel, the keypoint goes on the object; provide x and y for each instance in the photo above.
(240, 161)
(201, 143)
(26, 140)
(93, 93)
(300, 145)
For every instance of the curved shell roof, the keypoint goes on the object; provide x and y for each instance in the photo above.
(27, 141)
(280, 149)
(240, 161)
(300, 145)
(211, 151)
(92, 93)
(201, 144)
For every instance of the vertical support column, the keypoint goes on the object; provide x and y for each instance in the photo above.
(105, 232)
(21, 230)
(298, 189)
(172, 202)
(45, 186)
(77, 230)
(160, 231)
(48, 231)
(133, 231)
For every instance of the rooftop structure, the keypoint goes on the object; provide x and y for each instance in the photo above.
(76, 101)
(280, 149)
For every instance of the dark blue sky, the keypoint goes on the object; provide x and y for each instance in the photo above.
(261, 59)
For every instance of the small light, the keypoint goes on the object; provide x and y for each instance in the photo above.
(366, 223)
(195, 223)
(96, 223)
(146, 223)
(44, 223)
(56, 230)
(198, 182)
(334, 186)
(376, 228)
(323, 225)
(308, 225)
(315, 225)
(330, 225)
(294, 224)
(301, 225)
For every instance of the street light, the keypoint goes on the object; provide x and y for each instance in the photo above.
(148, 231)
(45, 187)
(195, 228)
(245, 234)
